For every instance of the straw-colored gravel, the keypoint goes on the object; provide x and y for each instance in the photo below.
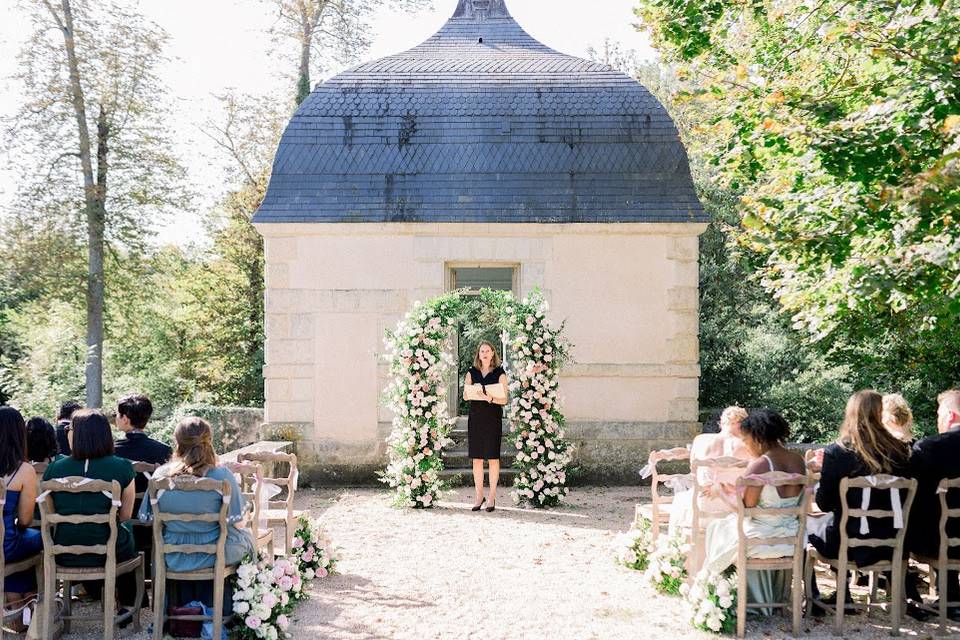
(452, 573)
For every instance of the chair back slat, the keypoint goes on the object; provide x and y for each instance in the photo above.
(40, 467)
(799, 511)
(879, 482)
(145, 468)
(247, 473)
(268, 461)
(948, 519)
(49, 518)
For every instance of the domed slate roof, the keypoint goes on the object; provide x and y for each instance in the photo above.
(481, 123)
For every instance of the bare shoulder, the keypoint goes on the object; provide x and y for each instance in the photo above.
(758, 465)
(703, 445)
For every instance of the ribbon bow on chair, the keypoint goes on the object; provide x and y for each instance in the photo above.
(895, 504)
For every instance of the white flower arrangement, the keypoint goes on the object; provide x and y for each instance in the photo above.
(634, 547)
(418, 351)
(262, 598)
(713, 601)
(312, 554)
(667, 567)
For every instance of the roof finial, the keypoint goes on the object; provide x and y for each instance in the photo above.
(480, 10)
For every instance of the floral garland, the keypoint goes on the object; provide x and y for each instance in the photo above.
(418, 351)
(634, 547)
(667, 570)
(538, 352)
(713, 600)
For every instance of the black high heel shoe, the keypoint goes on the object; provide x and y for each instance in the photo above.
(491, 507)
(477, 508)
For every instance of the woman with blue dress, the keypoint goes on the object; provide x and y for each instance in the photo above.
(193, 455)
(19, 541)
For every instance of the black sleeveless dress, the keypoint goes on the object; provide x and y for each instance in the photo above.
(485, 424)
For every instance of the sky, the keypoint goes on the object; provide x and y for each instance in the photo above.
(221, 44)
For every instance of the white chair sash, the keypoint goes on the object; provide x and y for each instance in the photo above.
(894, 503)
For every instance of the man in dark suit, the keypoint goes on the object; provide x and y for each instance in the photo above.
(935, 458)
(133, 413)
(63, 423)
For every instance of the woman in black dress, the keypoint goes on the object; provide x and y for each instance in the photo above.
(485, 425)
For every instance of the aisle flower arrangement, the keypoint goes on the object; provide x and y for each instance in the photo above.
(713, 600)
(266, 591)
(312, 552)
(633, 548)
(667, 569)
(419, 353)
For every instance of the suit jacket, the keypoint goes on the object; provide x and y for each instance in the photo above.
(838, 463)
(137, 446)
(62, 442)
(934, 458)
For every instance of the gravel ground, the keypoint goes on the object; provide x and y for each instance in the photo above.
(452, 573)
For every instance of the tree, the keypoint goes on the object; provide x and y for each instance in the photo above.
(93, 107)
(327, 31)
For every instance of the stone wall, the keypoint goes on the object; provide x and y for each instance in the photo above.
(627, 292)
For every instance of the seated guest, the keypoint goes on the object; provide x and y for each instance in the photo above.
(133, 413)
(934, 459)
(764, 433)
(91, 456)
(67, 409)
(717, 490)
(194, 455)
(41, 440)
(865, 448)
(19, 541)
(897, 417)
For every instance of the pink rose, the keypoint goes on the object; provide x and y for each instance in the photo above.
(269, 600)
(297, 542)
(253, 622)
(322, 572)
(308, 556)
(286, 583)
(282, 621)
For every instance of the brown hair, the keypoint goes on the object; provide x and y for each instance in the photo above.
(864, 434)
(193, 447)
(92, 437)
(494, 362)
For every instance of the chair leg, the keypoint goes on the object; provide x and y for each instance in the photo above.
(109, 606)
(141, 588)
(49, 594)
(808, 578)
(796, 594)
(217, 609)
(942, 588)
(67, 605)
(896, 596)
(841, 609)
(159, 603)
(741, 602)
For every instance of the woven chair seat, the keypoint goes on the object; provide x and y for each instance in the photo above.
(96, 573)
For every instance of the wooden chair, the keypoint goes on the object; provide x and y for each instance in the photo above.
(33, 562)
(278, 511)
(792, 563)
(250, 489)
(659, 509)
(52, 571)
(943, 562)
(896, 565)
(218, 573)
(40, 467)
(698, 525)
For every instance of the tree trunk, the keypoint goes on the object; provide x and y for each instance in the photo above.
(94, 213)
(303, 81)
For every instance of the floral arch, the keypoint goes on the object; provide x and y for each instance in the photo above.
(419, 352)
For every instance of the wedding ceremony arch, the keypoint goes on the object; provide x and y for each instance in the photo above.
(420, 354)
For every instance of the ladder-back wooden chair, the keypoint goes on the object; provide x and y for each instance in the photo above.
(896, 565)
(33, 562)
(40, 467)
(280, 510)
(250, 488)
(944, 563)
(147, 469)
(746, 546)
(724, 466)
(810, 458)
(658, 510)
(52, 571)
(220, 570)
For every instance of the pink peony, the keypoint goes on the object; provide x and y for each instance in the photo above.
(286, 583)
(253, 622)
(297, 542)
(269, 600)
(282, 621)
(308, 556)
(321, 572)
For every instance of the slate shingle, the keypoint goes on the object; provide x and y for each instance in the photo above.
(455, 130)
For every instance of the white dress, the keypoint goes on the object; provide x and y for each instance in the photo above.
(723, 538)
(681, 514)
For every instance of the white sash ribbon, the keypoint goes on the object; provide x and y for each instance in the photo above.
(894, 503)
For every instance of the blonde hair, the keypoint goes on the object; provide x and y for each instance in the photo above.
(863, 433)
(494, 361)
(732, 414)
(951, 398)
(899, 415)
(193, 447)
